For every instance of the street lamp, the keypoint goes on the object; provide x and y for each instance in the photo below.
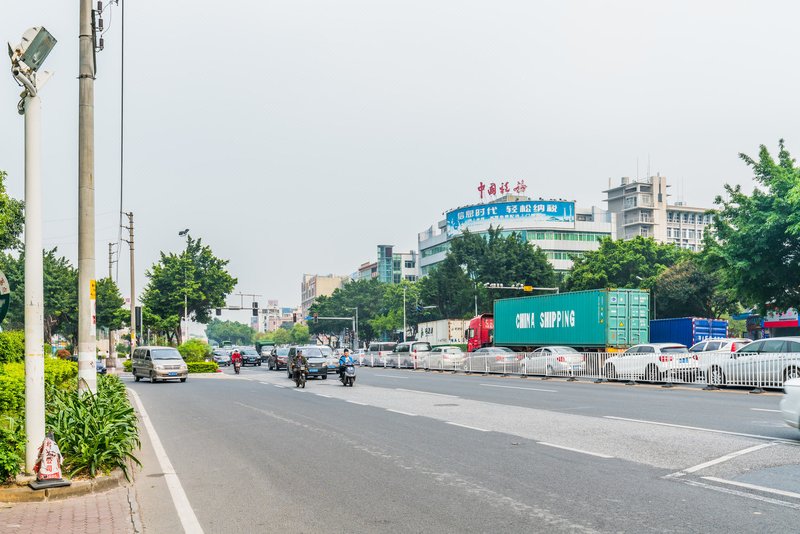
(185, 335)
(355, 328)
(26, 59)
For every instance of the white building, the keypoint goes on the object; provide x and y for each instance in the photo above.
(562, 230)
(642, 209)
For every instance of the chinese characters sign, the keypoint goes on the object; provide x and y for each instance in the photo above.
(539, 214)
(502, 188)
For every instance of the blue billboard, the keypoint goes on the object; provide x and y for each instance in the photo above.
(538, 213)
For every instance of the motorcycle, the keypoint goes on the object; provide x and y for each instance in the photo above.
(237, 364)
(300, 376)
(348, 377)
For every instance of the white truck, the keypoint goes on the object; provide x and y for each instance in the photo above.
(444, 332)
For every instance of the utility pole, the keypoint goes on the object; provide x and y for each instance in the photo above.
(87, 327)
(111, 362)
(133, 281)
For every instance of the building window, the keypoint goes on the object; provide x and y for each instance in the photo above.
(396, 278)
(411, 277)
(410, 264)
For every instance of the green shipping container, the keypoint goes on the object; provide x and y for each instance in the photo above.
(612, 318)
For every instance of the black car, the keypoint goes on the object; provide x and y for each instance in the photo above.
(317, 363)
(250, 357)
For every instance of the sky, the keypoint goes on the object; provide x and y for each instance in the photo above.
(294, 137)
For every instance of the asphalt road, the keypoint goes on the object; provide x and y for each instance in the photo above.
(408, 451)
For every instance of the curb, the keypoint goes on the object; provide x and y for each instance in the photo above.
(18, 494)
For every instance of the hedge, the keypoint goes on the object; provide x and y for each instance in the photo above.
(202, 367)
(127, 364)
(194, 350)
(12, 346)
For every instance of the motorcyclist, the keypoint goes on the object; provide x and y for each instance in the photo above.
(236, 355)
(345, 360)
(298, 361)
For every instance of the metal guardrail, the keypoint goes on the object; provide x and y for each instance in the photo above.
(709, 369)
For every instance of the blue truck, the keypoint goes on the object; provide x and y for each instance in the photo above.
(687, 330)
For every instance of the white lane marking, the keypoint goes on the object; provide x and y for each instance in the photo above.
(517, 387)
(738, 493)
(764, 410)
(467, 426)
(393, 376)
(754, 487)
(401, 413)
(757, 436)
(727, 457)
(185, 513)
(597, 454)
(427, 393)
(276, 385)
(356, 402)
(321, 395)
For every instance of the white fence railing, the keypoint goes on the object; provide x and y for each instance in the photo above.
(709, 369)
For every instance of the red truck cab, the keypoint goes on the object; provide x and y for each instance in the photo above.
(480, 332)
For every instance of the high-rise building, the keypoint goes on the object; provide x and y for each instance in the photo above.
(315, 285)
(642, 209)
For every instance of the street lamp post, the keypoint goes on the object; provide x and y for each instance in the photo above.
(185, 330)
(26, 58)
(355, 328)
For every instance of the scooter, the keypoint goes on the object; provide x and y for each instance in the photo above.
(300, 377)
(348, 378)
(237, 364)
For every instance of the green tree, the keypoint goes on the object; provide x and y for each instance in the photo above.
(500, 257)
(12, 218)
(110, 311)
(686, 290)
(366, 295)
(282, 336)
(195, 273)
(60, 294)
(633, 263)
(233, 331)
(449, 289)
(299, 334)
(756, 245)
(194, 350)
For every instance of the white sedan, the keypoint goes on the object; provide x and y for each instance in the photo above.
(790, 404)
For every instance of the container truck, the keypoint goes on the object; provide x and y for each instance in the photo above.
(687, 330)
(443, 332)
(607, 320)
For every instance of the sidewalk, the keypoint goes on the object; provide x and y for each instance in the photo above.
(95, 513)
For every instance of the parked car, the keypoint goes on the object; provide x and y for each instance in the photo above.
(728, 344)
(317, 362)
(446, 358)
(378, 351)
(100, 367)
(250, 357)
(158, 363)
(763, 363)
(278, 358)
(410, 354)
(359, 356)
(555, 360)
(790, 404)
(653, 362)
(222, 357)
(493, 360)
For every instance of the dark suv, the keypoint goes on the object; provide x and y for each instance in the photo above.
(250, 357)
(317, 363)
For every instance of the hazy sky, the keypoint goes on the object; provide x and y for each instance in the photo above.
(295, 136)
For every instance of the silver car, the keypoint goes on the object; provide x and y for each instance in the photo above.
(446, 358)
(555, 360)
(158, 363)
(762, 363)
(493, 360)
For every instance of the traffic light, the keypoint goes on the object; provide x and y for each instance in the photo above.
(255, 309)
(294, 317)
(316, 318)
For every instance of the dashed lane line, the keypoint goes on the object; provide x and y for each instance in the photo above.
(518, 387)
(754, 487)
(393, 376)
(401, 413)
(596, 454)
(725, 458)
(701, 429)
(356, 402)
(765, 410)
(427, 393)
(467, 426)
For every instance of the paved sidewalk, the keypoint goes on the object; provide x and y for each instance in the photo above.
(95, 513)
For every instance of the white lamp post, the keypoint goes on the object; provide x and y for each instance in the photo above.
(26, 58)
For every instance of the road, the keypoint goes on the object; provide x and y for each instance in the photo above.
(410, 451)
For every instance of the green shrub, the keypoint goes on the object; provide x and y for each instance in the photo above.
(96, 433)
(202, 367)
(194, 350)
(12, 346)
(127, 364)
(12, 395)
(12, 447)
